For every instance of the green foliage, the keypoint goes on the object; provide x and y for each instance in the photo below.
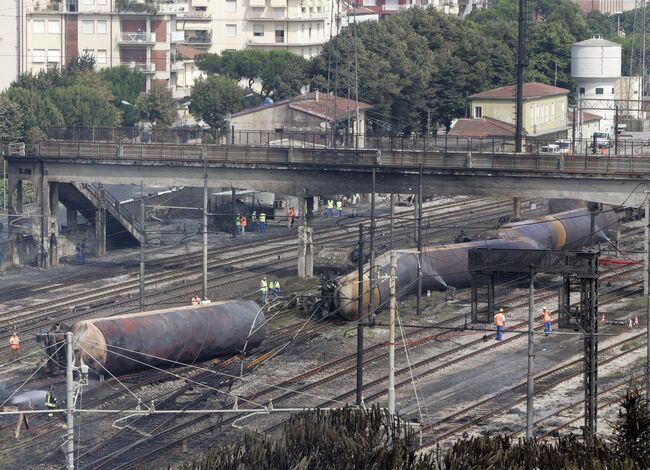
(411, 63)
(126, 85)
(281, 73)
(82, 106)
(631, 431)
(157, 105)
(11, 122)
(213, 98)
(136, 7)
(340, 440)
(53, 77)
(40, 115)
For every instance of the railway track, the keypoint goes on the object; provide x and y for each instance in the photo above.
(73, 307)
(143, 455)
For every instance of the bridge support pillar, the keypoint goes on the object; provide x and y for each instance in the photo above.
(70, 217)
(305, 252)
(45, 228)
(516, 207)
(100, 225)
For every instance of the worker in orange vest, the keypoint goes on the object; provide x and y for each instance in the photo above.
(14, 344)
(292, 216)
(500, 320)
(243, 224)
(196, 300)
(546, 318)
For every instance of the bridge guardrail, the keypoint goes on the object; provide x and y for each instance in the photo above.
(452, 160)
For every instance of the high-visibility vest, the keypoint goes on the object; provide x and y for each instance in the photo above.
(330, 204)
(292, 212)
(243, 221)
(546, 315)
(14, 342)
(237, 221)
(49, 401)
(277, 285)
(263, 286)
(262, 217)
(339, 205)
(500, 319)
(254, 216)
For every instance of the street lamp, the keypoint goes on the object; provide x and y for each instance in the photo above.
(618, 22)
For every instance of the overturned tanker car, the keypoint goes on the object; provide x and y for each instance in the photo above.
(174, 336)
(445, 266)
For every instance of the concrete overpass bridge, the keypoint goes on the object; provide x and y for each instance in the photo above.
(301, 170)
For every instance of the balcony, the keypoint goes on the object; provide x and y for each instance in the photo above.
(137, 39)
(282, 16)
(194, 15)
(197, 40)
(140, 66)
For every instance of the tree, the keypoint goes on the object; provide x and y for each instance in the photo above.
(82, 106)
(126, 85)
(213, 98)
(281, 73)
(631, 430)
(11, 122)
(157, 105)
(41, 117)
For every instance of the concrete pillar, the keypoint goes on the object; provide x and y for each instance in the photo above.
(53, 226)
(19, 197)
(100, 231)
(71, 217)
(305, 252)
(41, 222)
(100, 224)
(516, 207)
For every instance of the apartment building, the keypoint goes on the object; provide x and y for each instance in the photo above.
(297, 26)
(53, 32)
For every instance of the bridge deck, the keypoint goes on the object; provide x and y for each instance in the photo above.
(190, 154)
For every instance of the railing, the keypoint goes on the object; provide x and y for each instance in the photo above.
(451, 159)
(194, 15)
(141, 66)
(342, 140)
(100, 194)
(136, 38)
(197, 40)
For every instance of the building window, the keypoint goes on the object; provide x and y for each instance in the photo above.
(545, 113)
(612, 91)
(88, 27)
(310, 32)
(101, 26)
(553, 112)
(582, 90)
(53, 56)
(53, 27)
(38, 26)
(38, 56)
(231, 30)
(101, 56)
(258, 30)
(231, 5)
(600, 91)
(279, 34)
(478, 111)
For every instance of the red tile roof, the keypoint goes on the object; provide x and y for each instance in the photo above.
(482, 127)
(327, 106)
(531, 90)
(586, 117)
(186, 52)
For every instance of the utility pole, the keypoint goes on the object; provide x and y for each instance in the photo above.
(573, 130)
(371, 303)
(143, 236)
(391, 334)
(360, 321)
(531, 357)
(392, 218)
(616, 131)
(428, 122)
(418, 308)
(647, 293)
(521, 64)
(69, 405)
(204, 289)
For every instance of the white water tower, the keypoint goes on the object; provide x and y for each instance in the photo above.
(596, 67)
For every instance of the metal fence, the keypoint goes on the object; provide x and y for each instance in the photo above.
(625, 146)
(451, 159)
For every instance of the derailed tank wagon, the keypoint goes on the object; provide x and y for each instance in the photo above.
(445, 266)
(163, 338)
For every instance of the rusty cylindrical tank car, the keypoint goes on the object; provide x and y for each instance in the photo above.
(161, 338)
(446, 265)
